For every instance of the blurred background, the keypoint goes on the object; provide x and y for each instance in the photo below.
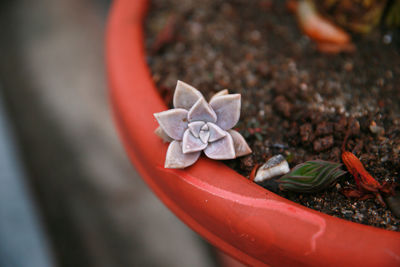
(68, 194)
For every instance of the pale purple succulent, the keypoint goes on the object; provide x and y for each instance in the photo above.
(195, 125)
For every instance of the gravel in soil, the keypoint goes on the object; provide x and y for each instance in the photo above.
(295, 100)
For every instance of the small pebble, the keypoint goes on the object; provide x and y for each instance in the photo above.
(324, 128)
(355, 127)
(275, 166)
(335, 154)
(358, 216)
(255, 36)
(283, 106)
(341, 125)
(323, 143)
(387, 38)
(348, 66)
(375, 129)
(338, 186)
(384, 158)
(306, 132)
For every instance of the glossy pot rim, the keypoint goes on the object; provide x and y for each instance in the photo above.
(239, 217)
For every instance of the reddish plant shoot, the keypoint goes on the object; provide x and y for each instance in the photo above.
(367, 186)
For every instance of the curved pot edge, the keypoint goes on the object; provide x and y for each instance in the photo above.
(127, 69)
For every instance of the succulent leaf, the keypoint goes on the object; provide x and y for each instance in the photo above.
(204, 136)
(222, 92)
(216, 133)
(221, 149)
(192, 144)
(201, 111)
(185, 95)
(227, 108)
(173, 122)
(241, 146)
(163, 135)
(311, 176)
(176, 159)
(195, 127)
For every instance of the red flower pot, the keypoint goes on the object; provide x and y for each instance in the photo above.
(239, 217)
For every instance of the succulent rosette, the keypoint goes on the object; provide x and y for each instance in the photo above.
(194, 125)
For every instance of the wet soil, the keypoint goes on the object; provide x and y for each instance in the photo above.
(295, 100)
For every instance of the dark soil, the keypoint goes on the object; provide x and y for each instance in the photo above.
(295, 100)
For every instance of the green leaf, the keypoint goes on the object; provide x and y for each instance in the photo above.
(311, 176)
(393, 14)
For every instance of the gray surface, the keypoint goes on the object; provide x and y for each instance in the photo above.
(22, 241)
(97, 209)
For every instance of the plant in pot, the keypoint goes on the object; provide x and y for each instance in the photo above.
(239, 217)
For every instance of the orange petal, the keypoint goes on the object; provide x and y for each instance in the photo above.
(317, 27)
